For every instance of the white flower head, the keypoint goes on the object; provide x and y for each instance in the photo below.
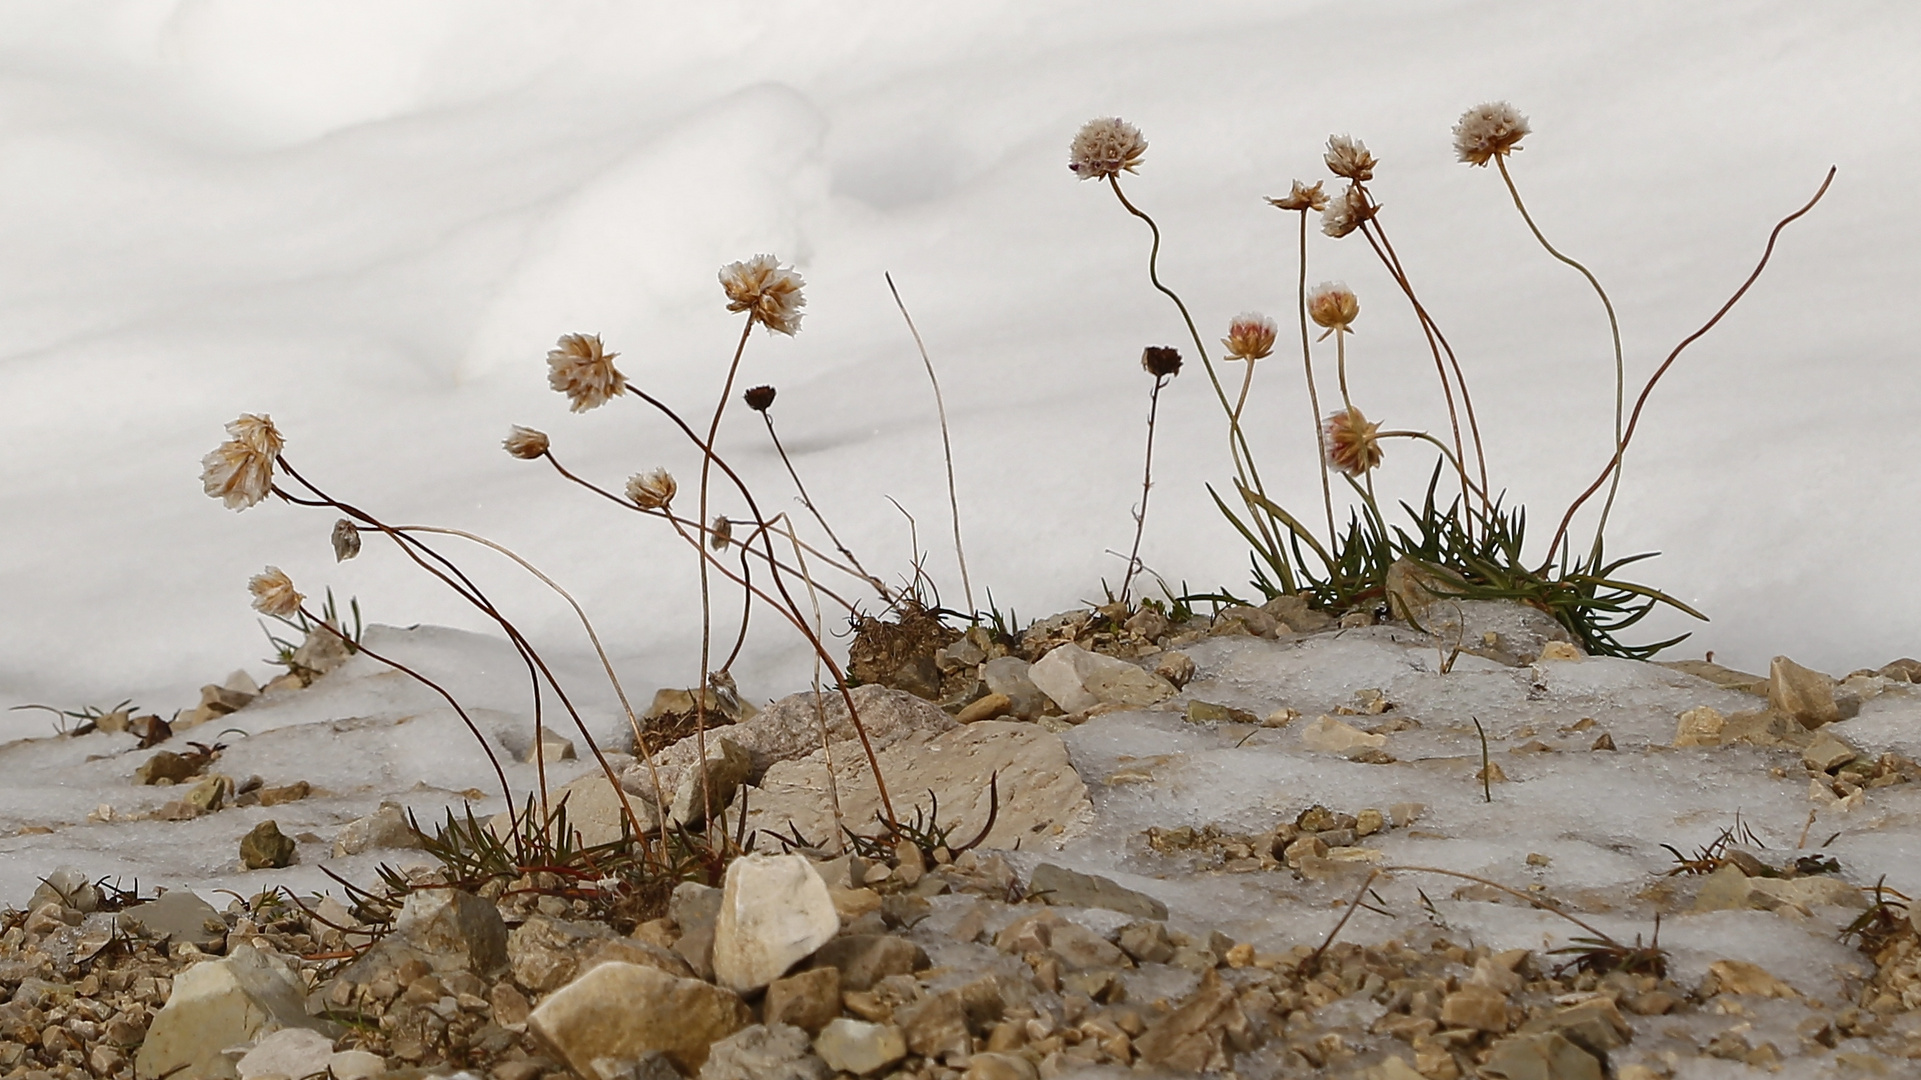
(525, 443)
(1347, 157)
(1487, 131)
(273, 594)
(652, 490)
(1105, 147)
(239, 472)
(767, 291)
(581, 367)
(1346, 212)
(1302, 197)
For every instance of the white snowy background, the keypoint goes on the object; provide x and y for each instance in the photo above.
(371, 218)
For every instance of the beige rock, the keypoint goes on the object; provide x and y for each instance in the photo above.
(774, 912)
(1727, 889)
(456, 930)
(808, 1000)
(713, 787)
(1176, 667)
(355, 1065)
(1719, 676)
(386, 827)
(1413, 586)
(1546, 1056)
(1741, 977)
(1700, 726)
(764, 1052)
(1482, 1008)
(220, 1003)
(1368, 822)
(622, 1011)
(1560, 650)
(266, 847)
(935, 1026)
(860, 1047)
(1804, 892)
(1805, 694)
(287, 1052)
(1078, 680)
(1828, 752)
(1201, 1033)
(999, 1066)
(1333, 736)
(1042, 800)
(986, 708)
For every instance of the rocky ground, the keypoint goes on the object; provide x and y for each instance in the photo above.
(1260, 844)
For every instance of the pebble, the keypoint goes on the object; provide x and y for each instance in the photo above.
(774, 912)
(859, 1046)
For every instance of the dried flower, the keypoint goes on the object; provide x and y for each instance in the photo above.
(1333, 305)
(580, 367)
(273, 594)
(759, 398)
(1346, 212)
(767, 291)
(1302, 197)
(720, 533)
(1249, 337)
(651, 490)
(1104, 147)
(525, 443)
(239, 472)
(1348, 157)
(1161, 361)
(1353, 447)
(1488, 131)
(346, 539)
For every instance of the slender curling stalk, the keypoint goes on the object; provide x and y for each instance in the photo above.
(1163, 364)
(947, 448)
(820, 703)
(706, 597)
(767, 415)
(1313, 395)
(1640, 402)
(1614, 331)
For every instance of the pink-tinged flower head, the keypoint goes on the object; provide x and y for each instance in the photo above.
(525, 443)
(239, 472)
(1488, 131)
(1347, 157)
(273, 594)
(1333, 305)
(766, 290)
(1353, 444)
(1249, 337)
(652, 490)
(582, 368)
(1302, 197)
(1105, 147)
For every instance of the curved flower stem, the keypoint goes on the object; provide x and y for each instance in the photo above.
(1445, 453)
(1340, 365)
(820, 704)
(1147, 480)
(1641, 401)
(1313, 395)
(1614, 331)
(456, 579)
(947, 448)
(607, 665)
(1244, 467)
(879, 586)
(706, 598)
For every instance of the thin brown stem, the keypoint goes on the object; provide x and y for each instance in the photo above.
(806, 501)
(1147, 482)
(1313, 395)
(1640, 402)
(706, 599)
(946, 446)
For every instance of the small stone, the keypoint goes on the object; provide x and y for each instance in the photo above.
(1296, 614)
(1605, 742)
(622, 1011)
(274, 796)
(355, 1065)
(774, 911)
(1201, 1033)
(1726, 889)
(1146, 942)
(221, 700)
(1307, 847)
(1206, 712)
(1803, 893)
(1008, 676)
(1060, 887)
(1081, 949)
(1805, 694)
(1741, 977)
(860, 1047)
(1333, 736)
(210, 794)
(1482, 1008)
(1560, 650)
(935, 1026)
(695, 908)
(68, 887)
(287, 1052)
(168, 766)
(264, 847)
(178, 915)
(986, 707)
(1176, 667)
(1596, 1026)
(1828, 752)
(1404, 814)
(1078, 680)
(865, 959)
(771, 1051)
(999, 1066)
(1546, 1056)
(456, 930)
(1368, 822)
(386, 827)
(712, 787)
(807, 1000)
(1699, 726)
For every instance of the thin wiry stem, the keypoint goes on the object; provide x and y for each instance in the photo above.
(947, 448)
(1147, 482)
(1313, 395)
(706, 600)
(879, 585)
(1438, 445)
(1614, 331)
(607, 665)
(820, 703)
(1640, 402)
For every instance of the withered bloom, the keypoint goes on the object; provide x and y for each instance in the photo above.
(759, 398)
(1161, 361)
(1488, 131)
(1105, 147)
(582, 368)
(346, 538)
(1302, 197)
(273, 594)
(1348, 157)
(525, 443)
(239, 472)
(1353, 445)
(652, 490)
(766, 290)
(720, 534)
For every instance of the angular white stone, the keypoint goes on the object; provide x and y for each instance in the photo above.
(774, 912)
(220, 1003)
(287, 1052)
(1078, 680)
(859, 1047)
(1327, 733)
